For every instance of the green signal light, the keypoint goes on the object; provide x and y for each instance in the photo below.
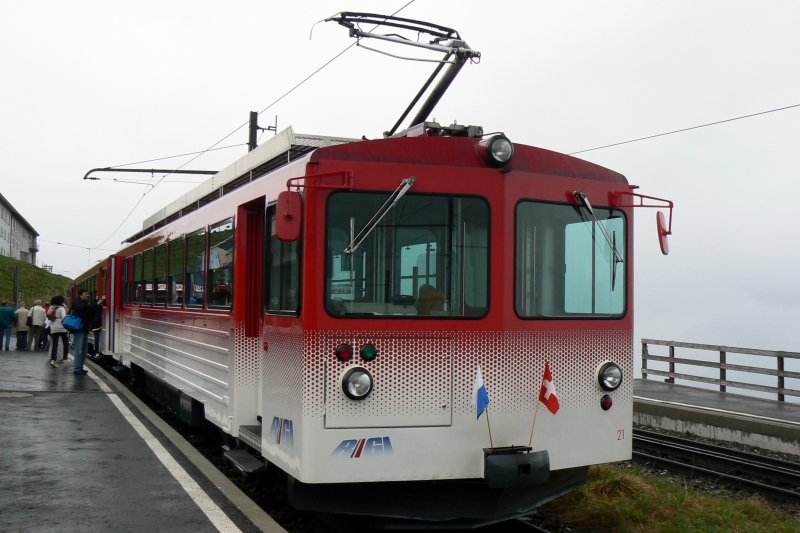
(369, 352)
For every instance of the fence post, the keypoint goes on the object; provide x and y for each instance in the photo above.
(671, 379)
(644, 360)
(780, 378)
(722, 372)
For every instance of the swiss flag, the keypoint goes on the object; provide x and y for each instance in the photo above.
(547, 394)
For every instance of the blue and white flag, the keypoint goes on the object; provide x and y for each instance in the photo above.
(480, 397)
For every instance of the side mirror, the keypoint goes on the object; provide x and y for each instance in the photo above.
(663, 232)
(288, 215)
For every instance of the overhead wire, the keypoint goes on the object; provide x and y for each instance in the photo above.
(178, 155)
(684, 129)
(287, 93)
(199, 154)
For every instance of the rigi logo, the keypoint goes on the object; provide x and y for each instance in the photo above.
(281, 432)
(356, 448)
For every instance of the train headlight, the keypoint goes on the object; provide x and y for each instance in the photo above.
(357, 383)
(497, 150)
(610, 376)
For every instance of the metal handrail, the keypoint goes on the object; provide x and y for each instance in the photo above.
(779, 371)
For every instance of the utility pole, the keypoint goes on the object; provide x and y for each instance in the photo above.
(252, 142)
(16, 286)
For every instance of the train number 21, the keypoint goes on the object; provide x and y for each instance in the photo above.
(620, 434)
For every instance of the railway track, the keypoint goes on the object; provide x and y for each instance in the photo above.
(767, 475)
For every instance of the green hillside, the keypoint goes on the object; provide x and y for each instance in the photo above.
(34, 283)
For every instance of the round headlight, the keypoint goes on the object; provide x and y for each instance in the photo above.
(357, 383)
(497, 150)
(610, 376)
(500, 149)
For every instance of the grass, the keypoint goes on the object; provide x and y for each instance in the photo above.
(34, 283)
(628, 499)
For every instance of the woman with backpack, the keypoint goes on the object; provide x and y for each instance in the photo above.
(56, 314)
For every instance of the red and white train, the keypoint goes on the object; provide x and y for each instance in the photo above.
(329, 304)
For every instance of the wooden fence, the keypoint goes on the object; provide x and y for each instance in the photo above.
(777, 370)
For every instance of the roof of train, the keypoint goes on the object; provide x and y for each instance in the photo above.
(459, 151)
(423, 149)
(286, 146)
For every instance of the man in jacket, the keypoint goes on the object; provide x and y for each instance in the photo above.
(22, 327)
(38, 317)
(85, 310)
(7, 319)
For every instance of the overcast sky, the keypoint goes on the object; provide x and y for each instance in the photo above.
(95, 83)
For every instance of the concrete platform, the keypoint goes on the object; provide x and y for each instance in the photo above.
(722, 416)
(79, 453)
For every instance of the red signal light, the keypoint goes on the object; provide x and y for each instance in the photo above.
(606, 402)
(344, 353)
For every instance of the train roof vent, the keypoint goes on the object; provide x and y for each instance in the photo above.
(285, 147)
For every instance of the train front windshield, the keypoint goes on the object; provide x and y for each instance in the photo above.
(429, 257)
(567, 265)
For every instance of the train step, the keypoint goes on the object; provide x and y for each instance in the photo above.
(244, 461)
(251, 435)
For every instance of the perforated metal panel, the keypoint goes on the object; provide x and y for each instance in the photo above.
(288, 373)
(411, 372)
(414, 372)
(246, 358)
(512, 364)
(413, 383)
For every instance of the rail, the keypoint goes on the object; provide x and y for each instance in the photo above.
(771, 475)
(778, 371)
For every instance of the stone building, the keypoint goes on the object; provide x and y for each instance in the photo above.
(17, 237)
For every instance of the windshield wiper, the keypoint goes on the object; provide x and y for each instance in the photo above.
(398, 193)
(581, 197)
(612, 243)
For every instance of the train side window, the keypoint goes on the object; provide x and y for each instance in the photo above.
(160, 275)
(220, 264)
(147, 270)
(91, 284)
(175, 283)
(138, 279)
(281, 270)
(196, 268)
(102, 282)
(125, 282)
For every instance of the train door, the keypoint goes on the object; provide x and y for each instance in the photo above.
(248, 346)
(111, 283)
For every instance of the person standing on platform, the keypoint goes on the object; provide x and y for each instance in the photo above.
(37, 325)
(44, 343)
(96, 327)
(7, 319)
(22, 327)
(85, 310)
(55, 314)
